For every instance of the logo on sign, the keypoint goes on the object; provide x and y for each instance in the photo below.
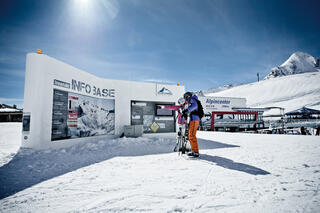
(164, 91)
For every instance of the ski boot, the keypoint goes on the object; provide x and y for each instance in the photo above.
(193, 154)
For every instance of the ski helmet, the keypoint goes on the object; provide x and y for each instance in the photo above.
(181, 101)
(187, 95)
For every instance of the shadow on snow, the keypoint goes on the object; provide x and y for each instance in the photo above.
(29, 167)
(230, 164)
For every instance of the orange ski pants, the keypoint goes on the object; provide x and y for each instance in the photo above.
(193, 127)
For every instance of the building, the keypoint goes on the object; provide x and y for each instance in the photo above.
(303, 117)
(64, 105)
(230, 114)
(10, 113)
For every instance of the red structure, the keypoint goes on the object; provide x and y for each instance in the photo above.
(232, 113)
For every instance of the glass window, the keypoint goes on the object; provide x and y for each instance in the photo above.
(26, 123)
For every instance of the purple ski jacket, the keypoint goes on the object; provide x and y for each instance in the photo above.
(193, 106)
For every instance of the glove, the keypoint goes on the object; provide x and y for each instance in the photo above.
(185, 114)
(185, 111)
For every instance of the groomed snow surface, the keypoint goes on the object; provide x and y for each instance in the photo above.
(235, 173)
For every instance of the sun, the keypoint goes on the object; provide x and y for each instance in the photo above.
(82, 6)
(83, 2)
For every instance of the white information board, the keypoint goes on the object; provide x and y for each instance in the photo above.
(224, 104)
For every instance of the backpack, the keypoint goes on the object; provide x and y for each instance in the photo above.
(200, 111)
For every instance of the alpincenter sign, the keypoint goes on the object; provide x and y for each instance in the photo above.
(82, 87)
(221, 103)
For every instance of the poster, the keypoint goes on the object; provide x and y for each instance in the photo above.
(76, 115)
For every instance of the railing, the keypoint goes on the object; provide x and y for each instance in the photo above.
(303, 121)
(229, 123)
(293, 123)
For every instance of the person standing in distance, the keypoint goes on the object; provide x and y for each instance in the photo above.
(194, 122)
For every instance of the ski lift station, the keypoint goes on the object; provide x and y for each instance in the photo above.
(230, 114)
(64, 105)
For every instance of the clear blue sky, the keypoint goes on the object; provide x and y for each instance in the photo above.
(199, 43)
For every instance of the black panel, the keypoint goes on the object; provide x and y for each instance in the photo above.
(59, 115)
(145, 113)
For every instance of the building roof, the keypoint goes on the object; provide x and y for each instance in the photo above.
(304, 111)
(7, 108)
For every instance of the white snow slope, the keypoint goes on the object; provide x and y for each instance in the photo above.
(219, 89)
(235, 173)
(290, 92)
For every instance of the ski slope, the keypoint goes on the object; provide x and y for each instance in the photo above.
(235, 173)
(290, 92)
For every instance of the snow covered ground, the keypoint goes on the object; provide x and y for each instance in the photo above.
(10, 141)
(235, 173)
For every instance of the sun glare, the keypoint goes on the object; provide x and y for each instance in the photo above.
(82, 6)
(83, 1)
(90, 13)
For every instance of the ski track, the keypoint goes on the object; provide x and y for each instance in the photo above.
(235, 173)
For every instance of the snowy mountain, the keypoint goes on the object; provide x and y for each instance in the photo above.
(290, 92)
(297, 63)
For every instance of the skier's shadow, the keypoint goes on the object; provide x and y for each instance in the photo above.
(208, 144)
(230, 164)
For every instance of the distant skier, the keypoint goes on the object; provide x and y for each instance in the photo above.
(317, 130)
(193, 109)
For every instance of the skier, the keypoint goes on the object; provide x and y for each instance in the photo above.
(181, 120)
(193, 109)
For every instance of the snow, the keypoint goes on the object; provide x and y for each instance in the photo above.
(235, 173)
(290, 92)
(298, 62)
(9, 110)
(10, 137)
(219, 89)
